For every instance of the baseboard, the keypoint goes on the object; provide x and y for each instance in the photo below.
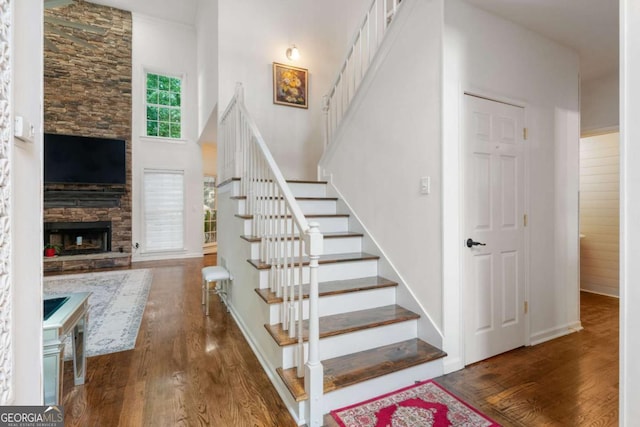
(556, 332)
(283, 392)
(452, 364)
(164, 256)
(602, 290)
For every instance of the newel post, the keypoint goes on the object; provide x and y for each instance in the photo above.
(313, 378)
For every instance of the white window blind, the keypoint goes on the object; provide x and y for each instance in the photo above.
(164, 210)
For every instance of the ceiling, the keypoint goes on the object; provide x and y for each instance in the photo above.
(590, 27)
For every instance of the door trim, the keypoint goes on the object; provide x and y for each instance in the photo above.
(527, 233)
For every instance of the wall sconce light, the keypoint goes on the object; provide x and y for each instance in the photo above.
(293, 53)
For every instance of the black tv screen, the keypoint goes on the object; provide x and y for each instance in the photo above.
(84, 160)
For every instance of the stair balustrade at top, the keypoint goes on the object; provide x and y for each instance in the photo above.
(279, 224)
(360, 55)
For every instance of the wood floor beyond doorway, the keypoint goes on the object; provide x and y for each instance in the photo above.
(570, 381)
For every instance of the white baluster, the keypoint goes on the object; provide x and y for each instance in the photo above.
(300, 352)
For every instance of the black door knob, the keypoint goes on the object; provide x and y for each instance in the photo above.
(471, 243)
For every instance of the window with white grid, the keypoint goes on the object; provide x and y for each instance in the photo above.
(164, 106)
(164, 210)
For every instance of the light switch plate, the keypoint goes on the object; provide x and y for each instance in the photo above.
(425, 185)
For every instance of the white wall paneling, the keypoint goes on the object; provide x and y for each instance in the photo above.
(600, 214)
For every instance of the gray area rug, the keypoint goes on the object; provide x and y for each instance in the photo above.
(116, 305)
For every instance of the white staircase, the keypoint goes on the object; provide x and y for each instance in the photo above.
(326, 327)
(368, 345)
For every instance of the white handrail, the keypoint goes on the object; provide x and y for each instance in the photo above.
(284, 234)
(360, 54)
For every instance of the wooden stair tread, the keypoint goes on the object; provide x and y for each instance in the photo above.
(343, 323)
(333, 288)
(327, 235)
(306, 216)
(354, 368)
(324, 259)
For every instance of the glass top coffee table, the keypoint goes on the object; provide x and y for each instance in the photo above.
(63, 315)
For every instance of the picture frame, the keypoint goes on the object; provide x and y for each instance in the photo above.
(290, 85)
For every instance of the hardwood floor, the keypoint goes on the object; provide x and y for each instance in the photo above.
(570, 381)
(186, 369)
(191, 370)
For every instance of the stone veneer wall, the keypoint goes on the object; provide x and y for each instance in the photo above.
(87, 92)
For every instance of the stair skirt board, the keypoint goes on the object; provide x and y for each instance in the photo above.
(341, 303)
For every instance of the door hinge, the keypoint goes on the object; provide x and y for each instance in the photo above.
(525, 133)
(526, 220)
(526, 307)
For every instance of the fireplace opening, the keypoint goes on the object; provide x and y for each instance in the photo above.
(76, 238)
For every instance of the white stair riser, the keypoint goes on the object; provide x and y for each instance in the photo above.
(326, 224)
(339, 245)
(354, 301)
(341, 303)
(341, 345)
(308, 207)
(298, 189)
(332, 271)
(380, 385)
(334, 245)
(304, 189)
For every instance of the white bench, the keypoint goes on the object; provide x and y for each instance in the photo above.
(213, 274)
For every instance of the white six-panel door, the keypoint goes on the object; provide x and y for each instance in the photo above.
(494, 221)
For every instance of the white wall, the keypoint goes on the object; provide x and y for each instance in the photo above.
(210, 159)
(489, 56)
(389, 140)
(26, 205)
(207, 53)
(253, 35)
(599, 105)
(600, 214)
(165, 47)
(630, 212)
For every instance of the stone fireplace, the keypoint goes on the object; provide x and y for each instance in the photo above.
(79, 238)
(87, 92)
(92, 229)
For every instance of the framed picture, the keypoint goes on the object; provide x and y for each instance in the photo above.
(290, 86)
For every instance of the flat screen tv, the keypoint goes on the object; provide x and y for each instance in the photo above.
(84, 160)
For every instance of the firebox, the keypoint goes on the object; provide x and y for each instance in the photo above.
(75, 238)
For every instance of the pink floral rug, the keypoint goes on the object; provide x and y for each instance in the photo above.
(424, 404)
